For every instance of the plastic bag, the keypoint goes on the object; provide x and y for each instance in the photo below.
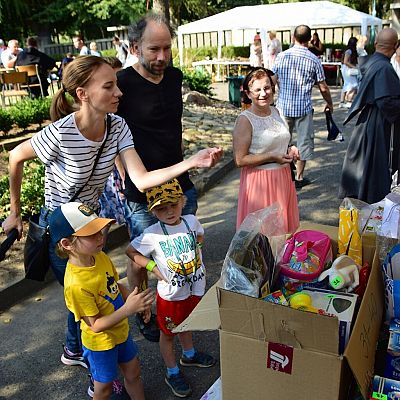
(249, 265)
(353, 218)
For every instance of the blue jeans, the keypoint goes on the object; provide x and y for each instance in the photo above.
(73, 340)
(138, 218)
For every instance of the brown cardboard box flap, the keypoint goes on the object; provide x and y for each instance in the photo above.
(205, 316)
(360, 351)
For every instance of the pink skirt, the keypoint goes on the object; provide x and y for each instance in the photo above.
(260, 188)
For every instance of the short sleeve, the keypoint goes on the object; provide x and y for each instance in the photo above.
(143, 244)
(320, 75)
(80, 302)
(124, 134)
(46, 144)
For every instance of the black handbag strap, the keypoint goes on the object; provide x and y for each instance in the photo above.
(78, 192)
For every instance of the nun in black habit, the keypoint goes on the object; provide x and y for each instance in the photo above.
(373, 152)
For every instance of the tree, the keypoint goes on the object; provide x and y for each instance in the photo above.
(90, 18)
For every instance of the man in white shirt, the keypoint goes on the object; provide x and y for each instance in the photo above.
(9, 56)
(79, 44)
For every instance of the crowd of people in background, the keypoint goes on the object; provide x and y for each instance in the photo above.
(12, 56)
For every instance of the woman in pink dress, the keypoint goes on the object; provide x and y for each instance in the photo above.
(261, 145)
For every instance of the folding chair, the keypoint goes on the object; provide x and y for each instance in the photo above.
(31, 70)
(11, 85)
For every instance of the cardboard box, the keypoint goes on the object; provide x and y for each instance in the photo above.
(274, 352)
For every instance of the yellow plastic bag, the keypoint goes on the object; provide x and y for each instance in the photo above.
(349, 239)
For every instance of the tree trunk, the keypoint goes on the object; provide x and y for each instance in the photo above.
(162, 7)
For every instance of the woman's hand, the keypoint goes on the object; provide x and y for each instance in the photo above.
(293, 152)
(207, 158)
(281, 158)
(11, 222)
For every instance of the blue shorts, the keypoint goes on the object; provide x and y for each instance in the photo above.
(104, 364)
(138, 218)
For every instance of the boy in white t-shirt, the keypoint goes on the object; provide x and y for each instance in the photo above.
(173, 243)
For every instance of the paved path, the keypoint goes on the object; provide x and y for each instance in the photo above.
(32, 332)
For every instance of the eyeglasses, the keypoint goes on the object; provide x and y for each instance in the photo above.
(258, 91)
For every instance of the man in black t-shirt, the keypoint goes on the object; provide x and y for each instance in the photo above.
(30, 56)
(152, 107)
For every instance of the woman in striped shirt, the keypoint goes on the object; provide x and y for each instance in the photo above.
(68, 148)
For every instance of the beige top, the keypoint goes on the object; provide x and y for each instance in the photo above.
(270, 134)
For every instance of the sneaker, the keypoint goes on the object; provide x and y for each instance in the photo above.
(69, 358)
(149, 330)
(90, 390)
(178, 385)
(199, 359)
(118, 389)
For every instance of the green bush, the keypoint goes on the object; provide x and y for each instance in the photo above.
(6, 120)
(32, 191)
(109, 52)
(22, 115)
(25, 112)
(197, 80)
(201, 53)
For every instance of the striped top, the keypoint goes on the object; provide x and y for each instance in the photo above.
(69, 158)
(298, 70)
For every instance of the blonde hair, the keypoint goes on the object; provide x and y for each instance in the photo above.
(61, 251)
(76, 74)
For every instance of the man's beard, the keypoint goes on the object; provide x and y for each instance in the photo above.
(146, 65)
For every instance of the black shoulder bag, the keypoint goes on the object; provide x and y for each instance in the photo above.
(36, 250)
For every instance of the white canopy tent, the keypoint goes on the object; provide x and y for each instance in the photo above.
(281, 16)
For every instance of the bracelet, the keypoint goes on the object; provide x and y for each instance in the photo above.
(150, 265)
(199, 245)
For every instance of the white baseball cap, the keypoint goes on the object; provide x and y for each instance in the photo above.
(75, 219)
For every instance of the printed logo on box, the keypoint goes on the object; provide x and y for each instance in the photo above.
(280, 357)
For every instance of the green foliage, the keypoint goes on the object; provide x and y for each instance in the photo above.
(197, 80)
(32, 190)
(6, 121)
(201, 53)
(235, 51)
(109, 52)
(24, 113)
